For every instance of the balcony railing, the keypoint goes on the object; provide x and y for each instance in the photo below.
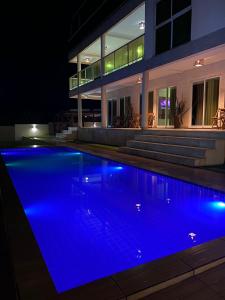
(124, 56)
(120, 58)
(90, 73)
(73, 82)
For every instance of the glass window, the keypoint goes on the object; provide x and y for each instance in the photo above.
(166, 98)
(211, 99)
(140, 103)
(163, 11)
(182, 29)
(109, 113)
(163, 38)
(127, 105)
(121, 57)
(122, 107)
(197, 103)
(150, 101)
(178, 5)
(112, 112)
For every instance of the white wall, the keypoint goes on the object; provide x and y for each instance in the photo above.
(29, 130)
(184, 83)
(207, 16)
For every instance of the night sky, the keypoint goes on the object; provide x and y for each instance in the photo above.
(34, 48)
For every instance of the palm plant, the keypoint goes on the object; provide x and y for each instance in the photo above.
(178, 110)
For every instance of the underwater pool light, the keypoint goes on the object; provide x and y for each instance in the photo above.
(118, 168)
(218, 204)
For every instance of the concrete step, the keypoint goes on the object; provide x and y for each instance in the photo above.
(208, 134)
(174, 140)
(60, 135)
(72, 128)
(172, 158)
(167, 148)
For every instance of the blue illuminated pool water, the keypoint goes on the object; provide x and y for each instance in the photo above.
(93, 217)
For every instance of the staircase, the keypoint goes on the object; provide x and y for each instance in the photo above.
(67, 135)
(193, 148)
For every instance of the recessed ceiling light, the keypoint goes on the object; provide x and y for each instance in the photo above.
(199, 63)
(87, 59)
(141, 25)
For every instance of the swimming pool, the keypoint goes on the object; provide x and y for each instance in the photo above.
(93, 217)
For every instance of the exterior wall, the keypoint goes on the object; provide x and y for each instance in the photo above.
(207, 16)
(107, 136)
(26, 130)
(184, 83)
(7, 134)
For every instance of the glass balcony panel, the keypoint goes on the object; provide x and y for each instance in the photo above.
(96, 69)
(121, 57)
(73, 82)
(109, 63)
(89, 74)
(136, 49)
(128, 54)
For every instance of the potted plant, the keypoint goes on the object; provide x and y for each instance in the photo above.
(178, 109)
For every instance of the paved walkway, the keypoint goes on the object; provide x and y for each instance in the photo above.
(204, 177)
(209, 285)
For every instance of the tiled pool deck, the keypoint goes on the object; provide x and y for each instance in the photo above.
(145, 281)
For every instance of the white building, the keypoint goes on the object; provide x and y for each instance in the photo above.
(151, 53)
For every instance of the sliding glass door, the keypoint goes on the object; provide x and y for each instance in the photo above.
(165, 97)
(205, 98)
(112, 112)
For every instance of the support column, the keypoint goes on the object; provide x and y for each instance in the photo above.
(79, 106)
(144, 116)
(104, 107)
(102, 54)
(79, 100)
(150, 9)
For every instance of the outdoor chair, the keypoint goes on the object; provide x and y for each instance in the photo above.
(218, 120)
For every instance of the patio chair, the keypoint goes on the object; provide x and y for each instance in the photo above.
(218, 120)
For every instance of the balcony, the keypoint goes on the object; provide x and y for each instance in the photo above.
(124, 56)
(90, 73)
(120, 58)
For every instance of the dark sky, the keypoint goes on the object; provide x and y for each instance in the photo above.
(33, 61)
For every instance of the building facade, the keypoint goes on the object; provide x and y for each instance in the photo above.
(151, 55)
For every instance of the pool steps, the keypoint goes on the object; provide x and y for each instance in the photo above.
(190, 148)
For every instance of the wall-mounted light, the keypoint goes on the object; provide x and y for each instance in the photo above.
(199, 63)
(139, 80)
(141, 25)
(34, 128)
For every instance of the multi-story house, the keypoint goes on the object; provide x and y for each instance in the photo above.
(151, 54)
